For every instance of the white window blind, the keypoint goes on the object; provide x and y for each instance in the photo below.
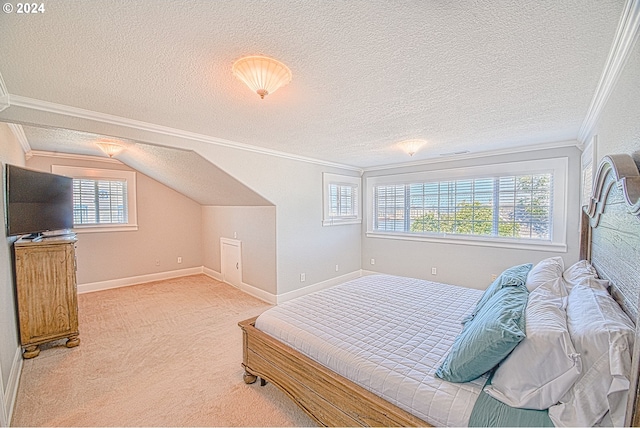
(99, 202)
(104, 200)
(587, 160)
(512, 204)
(509, 206)
(341, 200)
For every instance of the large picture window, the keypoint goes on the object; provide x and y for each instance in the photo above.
(519, 203)
(103, 200)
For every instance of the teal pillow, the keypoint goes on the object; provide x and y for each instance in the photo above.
(512, 277)
(487, 339)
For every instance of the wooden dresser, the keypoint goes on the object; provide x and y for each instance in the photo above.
(47, 293)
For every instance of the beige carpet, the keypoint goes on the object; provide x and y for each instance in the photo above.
(166, 353)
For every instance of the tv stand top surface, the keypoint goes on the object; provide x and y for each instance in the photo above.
(43, 240)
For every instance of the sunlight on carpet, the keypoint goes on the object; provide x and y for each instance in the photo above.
(165, 353)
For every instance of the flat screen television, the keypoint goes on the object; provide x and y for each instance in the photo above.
(37, 201)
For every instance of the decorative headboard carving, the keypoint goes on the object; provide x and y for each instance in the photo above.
(622, 171)
(611, 241)
(614, 244)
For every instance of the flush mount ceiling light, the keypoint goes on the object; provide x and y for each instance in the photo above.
(262, 74)
(110, 148)
(411, 146)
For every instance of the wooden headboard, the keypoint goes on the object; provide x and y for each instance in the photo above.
(611, 242)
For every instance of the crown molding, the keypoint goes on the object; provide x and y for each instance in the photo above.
(625, 38)
(4, 94)
(477, 155)
(79, 113)
(74, 156)
(18, 131)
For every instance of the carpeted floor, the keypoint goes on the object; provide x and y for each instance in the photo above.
(166, 353)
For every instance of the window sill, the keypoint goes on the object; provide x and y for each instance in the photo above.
(105, 228)
(341, 222)
(475, 241)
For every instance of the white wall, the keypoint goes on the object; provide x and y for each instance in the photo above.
(618, 128)
(255, 227)
(293, 186)
(303, 245)
(10, 152)
(169, 225)
(470, 266)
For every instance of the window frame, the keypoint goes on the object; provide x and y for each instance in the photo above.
(105, 174)
(587, 170)
(328, 180)
(559, 167)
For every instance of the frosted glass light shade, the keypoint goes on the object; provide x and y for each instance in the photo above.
(262, 74)
(411, 146)
(110, 149)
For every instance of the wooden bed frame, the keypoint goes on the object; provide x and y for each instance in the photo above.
(610, 239)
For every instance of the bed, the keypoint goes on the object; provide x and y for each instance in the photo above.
(308, 375)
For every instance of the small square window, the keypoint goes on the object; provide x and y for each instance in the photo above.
(103, 200)
(341, 200)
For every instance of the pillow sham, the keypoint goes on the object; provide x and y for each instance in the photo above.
(578, 271)
(511, 277)
(542, 368)
(603, 334)
(495, 330)
(546, 270)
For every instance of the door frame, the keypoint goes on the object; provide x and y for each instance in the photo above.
(234, 243)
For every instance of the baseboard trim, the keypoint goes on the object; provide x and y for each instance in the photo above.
(281, 298)
(11, 393)
(265, 296)
(256, 292)
(134, 280)
(212, 273)
(365, 272)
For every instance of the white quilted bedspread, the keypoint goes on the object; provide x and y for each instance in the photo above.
(388, 334)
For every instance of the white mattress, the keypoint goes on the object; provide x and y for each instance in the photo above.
(388, 334)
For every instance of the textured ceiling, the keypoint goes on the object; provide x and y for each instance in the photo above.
(189, 173)
(474, 76)
(199, 179)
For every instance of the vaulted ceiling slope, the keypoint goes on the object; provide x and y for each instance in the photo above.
(200, 180)
(476, 76)
(183, 170)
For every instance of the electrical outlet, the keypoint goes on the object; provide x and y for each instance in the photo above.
(179, 259)
(157, 262)
(235, 235)
(434, 271)
(337, 268)
(373, 261)
(302, 277)
(494, 276)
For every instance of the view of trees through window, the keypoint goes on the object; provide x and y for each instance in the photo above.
(510, 206)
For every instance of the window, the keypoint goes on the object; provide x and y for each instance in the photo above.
(99, 201)
(521, 203)
(587, 161)
(103, 200)
(341, 199)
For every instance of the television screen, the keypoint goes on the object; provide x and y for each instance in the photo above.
(37, 201)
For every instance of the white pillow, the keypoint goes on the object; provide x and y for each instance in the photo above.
(580, 270)
(603, 334)
(547, 270)
(543, 367)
